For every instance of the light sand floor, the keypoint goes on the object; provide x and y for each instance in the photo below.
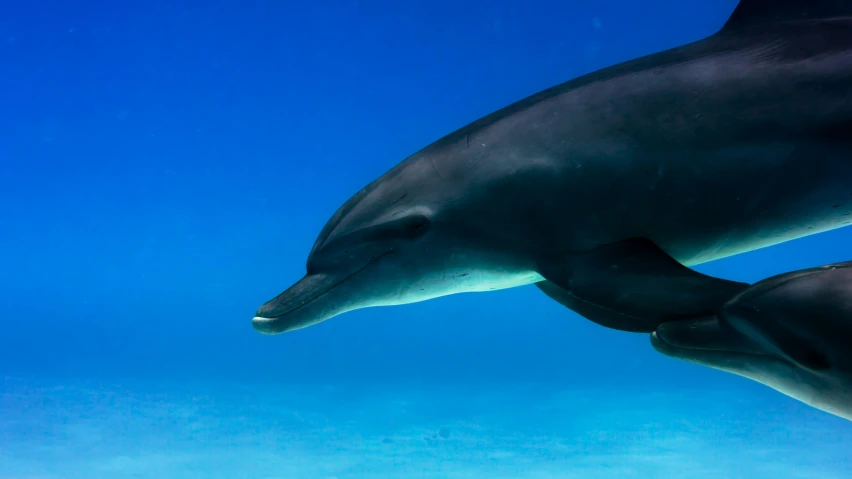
(91, 430)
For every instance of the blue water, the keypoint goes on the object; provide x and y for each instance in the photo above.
(165, 167)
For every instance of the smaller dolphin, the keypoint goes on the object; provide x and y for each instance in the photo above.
(791, 332)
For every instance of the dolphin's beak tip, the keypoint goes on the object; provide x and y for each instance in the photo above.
(264, 325)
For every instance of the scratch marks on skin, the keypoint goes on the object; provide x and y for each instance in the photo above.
(477, 156)
(474, 158)
(459, 281)
(400, 212)
(473, 161)
(432, 162)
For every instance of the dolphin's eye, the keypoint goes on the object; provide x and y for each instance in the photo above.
(415, 226)
(406, 228)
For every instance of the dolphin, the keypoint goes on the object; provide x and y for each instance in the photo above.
(791, 332)
(604, 191)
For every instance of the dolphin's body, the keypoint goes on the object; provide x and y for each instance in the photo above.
(602, 190)
(791, 332)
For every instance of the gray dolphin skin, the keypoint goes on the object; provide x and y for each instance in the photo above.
(604, 190)
(791, 332)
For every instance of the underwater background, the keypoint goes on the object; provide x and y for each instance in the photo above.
(165, 167)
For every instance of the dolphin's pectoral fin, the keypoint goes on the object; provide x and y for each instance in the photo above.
(594, 312)
(633, 285)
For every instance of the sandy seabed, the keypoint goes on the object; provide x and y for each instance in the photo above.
(52, 429)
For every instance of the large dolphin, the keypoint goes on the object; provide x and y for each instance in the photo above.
(791, 332)
(604, 190)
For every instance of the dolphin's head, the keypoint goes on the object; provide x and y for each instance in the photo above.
(791, 332)
(391, 243)
(369, 265)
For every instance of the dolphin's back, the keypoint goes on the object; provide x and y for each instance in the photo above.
(732, 143)
(753, 22)
(751, 13)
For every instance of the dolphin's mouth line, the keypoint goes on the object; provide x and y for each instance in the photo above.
(712, 352)
(696, 349)
(327, 290)
(744, 354)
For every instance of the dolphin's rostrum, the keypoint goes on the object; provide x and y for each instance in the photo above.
(604, 190)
